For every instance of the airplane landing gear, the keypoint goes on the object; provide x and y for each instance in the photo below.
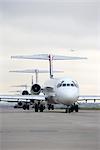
(76, 108)
(26, 106)
(72, 108)
(40, 106)
(36, 108)
(50, 106)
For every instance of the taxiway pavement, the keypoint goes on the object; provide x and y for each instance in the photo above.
(27, 130)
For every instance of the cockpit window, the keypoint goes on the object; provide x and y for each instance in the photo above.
(72, 84)
(61, 84)
(64, 84)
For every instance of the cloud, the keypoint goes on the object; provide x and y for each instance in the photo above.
(51, 22)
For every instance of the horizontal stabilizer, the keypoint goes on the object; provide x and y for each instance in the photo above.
(17, 91)
(40, 56)
(57, 57)
(23, 85)
(35, 71)
(46, 57)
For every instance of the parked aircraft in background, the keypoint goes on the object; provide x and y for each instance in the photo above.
(55, 90)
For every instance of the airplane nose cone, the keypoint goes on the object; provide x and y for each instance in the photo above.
(68, 95)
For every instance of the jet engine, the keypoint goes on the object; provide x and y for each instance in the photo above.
(19, 104)
(25, 92)
(35, 89)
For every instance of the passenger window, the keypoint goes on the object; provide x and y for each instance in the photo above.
(68, 84)
(72, 84)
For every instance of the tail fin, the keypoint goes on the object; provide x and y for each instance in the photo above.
(32, 80)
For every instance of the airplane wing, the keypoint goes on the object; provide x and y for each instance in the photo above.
(16, 98)
(88, 97)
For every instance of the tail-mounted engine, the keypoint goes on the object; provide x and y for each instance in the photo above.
(35, 89)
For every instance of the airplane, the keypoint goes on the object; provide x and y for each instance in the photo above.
(56, 90)
(34, 86)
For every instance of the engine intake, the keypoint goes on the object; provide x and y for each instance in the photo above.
(25, 92)
(35, 89)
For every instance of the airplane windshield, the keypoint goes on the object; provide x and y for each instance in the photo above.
(60, 84)
(64, 84)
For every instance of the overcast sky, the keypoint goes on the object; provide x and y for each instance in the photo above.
(50, 26)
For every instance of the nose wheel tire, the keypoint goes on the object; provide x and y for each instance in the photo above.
(76, 108)
(72, 108)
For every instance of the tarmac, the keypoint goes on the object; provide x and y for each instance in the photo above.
(50, 130)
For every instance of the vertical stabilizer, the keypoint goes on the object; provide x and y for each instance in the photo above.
(32, 80)
(50, 65)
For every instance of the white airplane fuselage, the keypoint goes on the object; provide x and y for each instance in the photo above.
(61, 90)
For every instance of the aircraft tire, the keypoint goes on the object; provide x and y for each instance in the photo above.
(72, 108)
(49, 106)
(66, 111)
(52, 107)
(24, 107)
(27, 107)
(76, 108)
(36, 107)
(41, 108)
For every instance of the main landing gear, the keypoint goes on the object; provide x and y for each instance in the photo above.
(39, 106)
(50, 107)
(26, 106)
(72, 108)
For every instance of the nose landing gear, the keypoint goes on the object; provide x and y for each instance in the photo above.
(72, 108)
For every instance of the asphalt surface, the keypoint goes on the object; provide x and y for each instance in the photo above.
(27, 130)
